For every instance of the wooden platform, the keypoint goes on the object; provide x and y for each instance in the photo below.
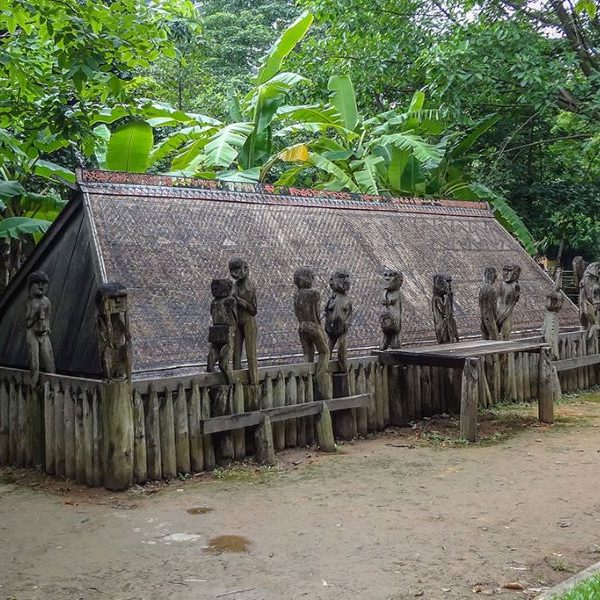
(471, 357)
(454, 355)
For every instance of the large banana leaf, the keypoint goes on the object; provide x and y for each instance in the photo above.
(467, 142)
(343, 98)
(50, 170)
(44, 203)
(102, 135)
(225, 145)
(397, 164)
(16, 227)
(10, 189)
(271, 62)
(129, 147)
(365, 173)
(188, 160)
(340, 178)
(175, 140)
(425, 152)
(247, 176)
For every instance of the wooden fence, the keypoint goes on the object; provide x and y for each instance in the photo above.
(179, 425)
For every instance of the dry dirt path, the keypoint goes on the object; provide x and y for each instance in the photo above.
(375, 522)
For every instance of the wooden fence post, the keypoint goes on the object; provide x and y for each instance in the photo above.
(468, 401)
(263, 443)
(546, 386)
(117, 428)
(325, 430)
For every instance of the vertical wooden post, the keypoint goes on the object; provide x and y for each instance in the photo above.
(48, 427)
(325, 430)
(182, 434)
(36, 443)
(88, 436)
(371, 387)
(362, 412)
(210, 461)
(153, 449)
(416, 392)
(167, 436)
(23, 437)
(291, 397)
(468, 402)
(239, 435)
(194, 417)
(309, 396)
(59, 429)
(117, 429)
(263, 443)
(301, 422)
(13, 419)
(97, 436)
(395, 373)
(140, 460)
(279, 400)
(69, 418)
(385, 393)
(545, 393)
(342, 420)
(79, 437)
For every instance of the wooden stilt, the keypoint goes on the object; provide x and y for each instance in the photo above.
(469, 400)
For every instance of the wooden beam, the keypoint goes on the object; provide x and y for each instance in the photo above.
(281, 413)
(576, 363)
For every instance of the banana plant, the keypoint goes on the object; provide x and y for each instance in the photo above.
(24, 212)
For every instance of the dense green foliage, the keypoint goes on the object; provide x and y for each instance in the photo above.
(465, 99)
(587, 590)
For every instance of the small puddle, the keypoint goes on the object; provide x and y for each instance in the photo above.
(227, 543)
(199, 510)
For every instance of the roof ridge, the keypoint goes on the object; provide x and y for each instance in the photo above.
(92, 176)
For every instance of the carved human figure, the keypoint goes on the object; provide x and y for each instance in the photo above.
(390, 319)
(551, 326)
(223, 310)
(245, 335)
(113, 331)
(439, 307)
(589, 299)
(579, 266)
(510, 292)
(488, 297)
(452, 328)
(37, 321)
(338, 315)
(307, 307)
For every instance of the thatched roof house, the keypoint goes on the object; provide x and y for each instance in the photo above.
(165, 239)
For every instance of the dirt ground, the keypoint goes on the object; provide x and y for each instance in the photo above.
(412, 513)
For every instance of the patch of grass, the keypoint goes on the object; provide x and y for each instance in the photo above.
(244, 472)
(592, 395)
(587, 590)
(443, 440)
(560, 565)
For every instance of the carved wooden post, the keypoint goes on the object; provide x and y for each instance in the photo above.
(545, 389)
(263, 443)
(117, 399)
(325, 430)
(469, 398)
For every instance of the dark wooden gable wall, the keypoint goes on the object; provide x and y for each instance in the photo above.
(65, 254)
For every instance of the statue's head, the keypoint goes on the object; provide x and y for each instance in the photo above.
(304, 277)
(554, 301)
(238, 268)
(37, 284)
(591, 283)
(221, 288)
(440, 285)
(339, 282)
(392, 279)
(490, 275)
(511, 272)
(111, 298)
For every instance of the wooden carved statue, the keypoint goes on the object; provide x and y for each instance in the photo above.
(113, 331)
(579, 266)
(307, 307)
(452, 328)
(510, 292)
(37, 322)
(589, 299)
(338, 315)
(390, 319)
(551, 326)
(223, 310)
(443, 310)
(246, 332)
(488, 297)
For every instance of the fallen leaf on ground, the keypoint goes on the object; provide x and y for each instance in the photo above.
(513, 585)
